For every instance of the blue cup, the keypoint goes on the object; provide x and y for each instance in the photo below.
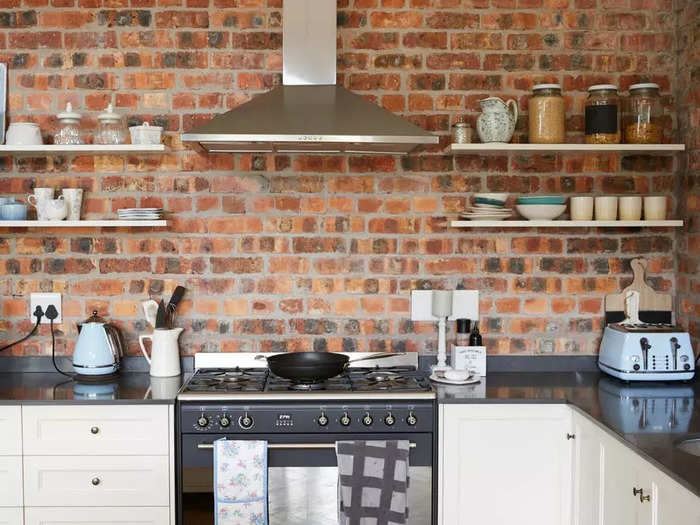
(13, 212)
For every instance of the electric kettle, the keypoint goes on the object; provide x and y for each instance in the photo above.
(99, 348)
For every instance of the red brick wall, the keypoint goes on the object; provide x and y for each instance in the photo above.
(301, 253)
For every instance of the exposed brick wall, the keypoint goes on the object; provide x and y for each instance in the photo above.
(315, 252)
(688, 100)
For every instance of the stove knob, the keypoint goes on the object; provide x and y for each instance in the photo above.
(411, 419)
(389, 420)
(224, 421)
(367, 420)
(345, 419)
(203, 421)
(245, 422)
(322, 419)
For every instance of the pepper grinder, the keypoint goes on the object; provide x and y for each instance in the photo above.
(442, 309)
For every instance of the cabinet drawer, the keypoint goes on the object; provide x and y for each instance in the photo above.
(10, 481)
(98, 516)
(11, 435)
(120, 481)
(95, 430)
(10, 516)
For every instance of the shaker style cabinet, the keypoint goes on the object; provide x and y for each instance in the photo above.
(504, 464)
(11, 493)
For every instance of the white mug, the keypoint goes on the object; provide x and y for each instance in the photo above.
(54, 209)
(165, 352)
(74, 202)
(38, 198)
(630, 208)
(605, 208)
(23, 134)
(655, 207)
(581, 208)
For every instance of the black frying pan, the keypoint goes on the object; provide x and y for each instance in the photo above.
(312, 367)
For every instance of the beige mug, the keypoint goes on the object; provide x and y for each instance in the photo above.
(581, 208)
(605, 208)
(38, 200)
(655, 207)
(630, 208)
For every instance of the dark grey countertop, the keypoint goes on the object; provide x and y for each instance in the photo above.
(649, 417)
(49, 387)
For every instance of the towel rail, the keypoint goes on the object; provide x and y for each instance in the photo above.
(205, 446)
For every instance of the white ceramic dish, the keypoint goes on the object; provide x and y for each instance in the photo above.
(541, 212)
(441, 379)
(501, 211)
(485, 217)
(501, 197)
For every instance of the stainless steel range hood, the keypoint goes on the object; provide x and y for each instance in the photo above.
(308, 113)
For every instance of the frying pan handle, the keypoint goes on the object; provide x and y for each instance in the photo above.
(375, 356)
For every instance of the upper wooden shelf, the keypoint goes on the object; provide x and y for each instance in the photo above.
(499, 147)
(97, 149)
(86, 223)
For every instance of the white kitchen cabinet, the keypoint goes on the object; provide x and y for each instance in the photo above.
(587, 471)
(505, 464)
(671, 503)
(11, 434)
(620, 475)
(130, 430)
(10, 481)
(97, 516)
(11, 516)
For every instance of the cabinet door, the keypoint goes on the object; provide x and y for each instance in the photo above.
(10, 481)
(505, 464)
(587, 471)
(10, 516)
(98, 516)
(619, 505)
(11, 435)
(672, 503)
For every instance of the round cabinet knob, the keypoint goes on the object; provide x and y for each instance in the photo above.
(96, 481)
(245, 422)
(224, 421)
(367, 420)
(345, 419)
(322, 419)
(95, 430)
(411, 419)
(389, 420)
(203, 421)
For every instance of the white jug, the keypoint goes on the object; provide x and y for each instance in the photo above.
(497, 120)
(165, 352)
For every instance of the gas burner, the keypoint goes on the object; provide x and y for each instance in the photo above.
(387, 384)
(382, 376)
(203, 382)
(307, 387)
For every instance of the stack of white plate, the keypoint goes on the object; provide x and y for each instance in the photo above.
(140, 214)
(487, 212)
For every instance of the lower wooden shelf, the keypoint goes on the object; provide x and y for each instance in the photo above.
(83, 224)
(566, 224)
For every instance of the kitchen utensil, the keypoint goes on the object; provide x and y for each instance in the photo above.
(654, 307)
(312, 367)
(99, 348)
(175, 299)
(150, 310)
(23, 134)
(655, 207)
(605, 208)
(161, 316)
(13, 212)
(38, 199)
(165, 352)
(497, 120)
(544, 212)
(581, 208)
(630, 207)
(74, 202)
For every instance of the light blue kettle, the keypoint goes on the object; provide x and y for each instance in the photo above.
(99, 348)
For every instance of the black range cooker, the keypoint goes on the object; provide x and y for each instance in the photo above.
(234, 396)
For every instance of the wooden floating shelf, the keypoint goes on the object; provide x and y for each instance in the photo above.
(565, 224)
(83, 224)
(97, 149)
(498, 147)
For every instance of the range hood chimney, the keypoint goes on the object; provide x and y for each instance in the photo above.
(308, 113)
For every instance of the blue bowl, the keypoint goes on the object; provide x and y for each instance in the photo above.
(545, 199)
(13, 212)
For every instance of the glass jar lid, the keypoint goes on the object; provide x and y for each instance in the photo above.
(644, 85)
(603, 87)
(69, 115)
(538, 87)
(109, 116)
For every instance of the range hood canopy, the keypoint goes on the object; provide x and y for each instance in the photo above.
(308, 113)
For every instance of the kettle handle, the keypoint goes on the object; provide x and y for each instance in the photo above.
(513, 105)
(143, 348)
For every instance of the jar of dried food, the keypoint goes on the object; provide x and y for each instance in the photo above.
(546, 115)
(642, 117)
(603, 115)
(68, 127)
(111, 128)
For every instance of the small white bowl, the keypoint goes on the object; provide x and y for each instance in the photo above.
(541, 212)
(499, 197)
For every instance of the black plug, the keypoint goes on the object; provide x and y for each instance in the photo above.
(39, 313)
(51, 312)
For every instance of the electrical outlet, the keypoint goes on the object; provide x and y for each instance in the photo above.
(44, 300)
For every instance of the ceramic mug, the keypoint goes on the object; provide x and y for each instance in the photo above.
(630, 208)
(13, 212)
(74, 202)
(38, 198)
(605, 208)
(23, 134)
(581, 208)
(655, 207)
(55, 209)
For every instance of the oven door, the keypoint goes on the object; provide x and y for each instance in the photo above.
(302, 478)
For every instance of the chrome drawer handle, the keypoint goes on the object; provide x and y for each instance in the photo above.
(95, 430)
(640, 493)
(311, 446)
(96, 481)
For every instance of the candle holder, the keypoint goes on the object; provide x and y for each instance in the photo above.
(442, 309)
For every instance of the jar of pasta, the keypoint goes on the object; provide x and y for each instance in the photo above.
(602, 115)
(546, 114)
(642, 117)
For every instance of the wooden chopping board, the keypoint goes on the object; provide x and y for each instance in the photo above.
(654, 307)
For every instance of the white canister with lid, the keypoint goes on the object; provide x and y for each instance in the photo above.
(145, 134)
(68, 132)
(110, 128)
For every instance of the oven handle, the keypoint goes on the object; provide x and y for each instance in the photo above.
(205, 446)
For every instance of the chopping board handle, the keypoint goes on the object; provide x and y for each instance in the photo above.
(639, 270)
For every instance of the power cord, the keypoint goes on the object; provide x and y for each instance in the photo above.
(51, 314)
(38, 313)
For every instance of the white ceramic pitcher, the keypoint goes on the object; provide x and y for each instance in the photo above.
(497, 120)
(165, 352)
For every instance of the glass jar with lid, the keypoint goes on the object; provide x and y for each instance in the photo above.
(602, 115)
(546, 115)
(643, 113)
(110, 128)
(69, 132)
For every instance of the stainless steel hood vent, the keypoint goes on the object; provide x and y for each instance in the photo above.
(309, 113)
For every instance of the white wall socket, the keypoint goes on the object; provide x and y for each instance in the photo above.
(44, 300)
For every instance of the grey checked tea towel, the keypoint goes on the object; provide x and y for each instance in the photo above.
(372, 482)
